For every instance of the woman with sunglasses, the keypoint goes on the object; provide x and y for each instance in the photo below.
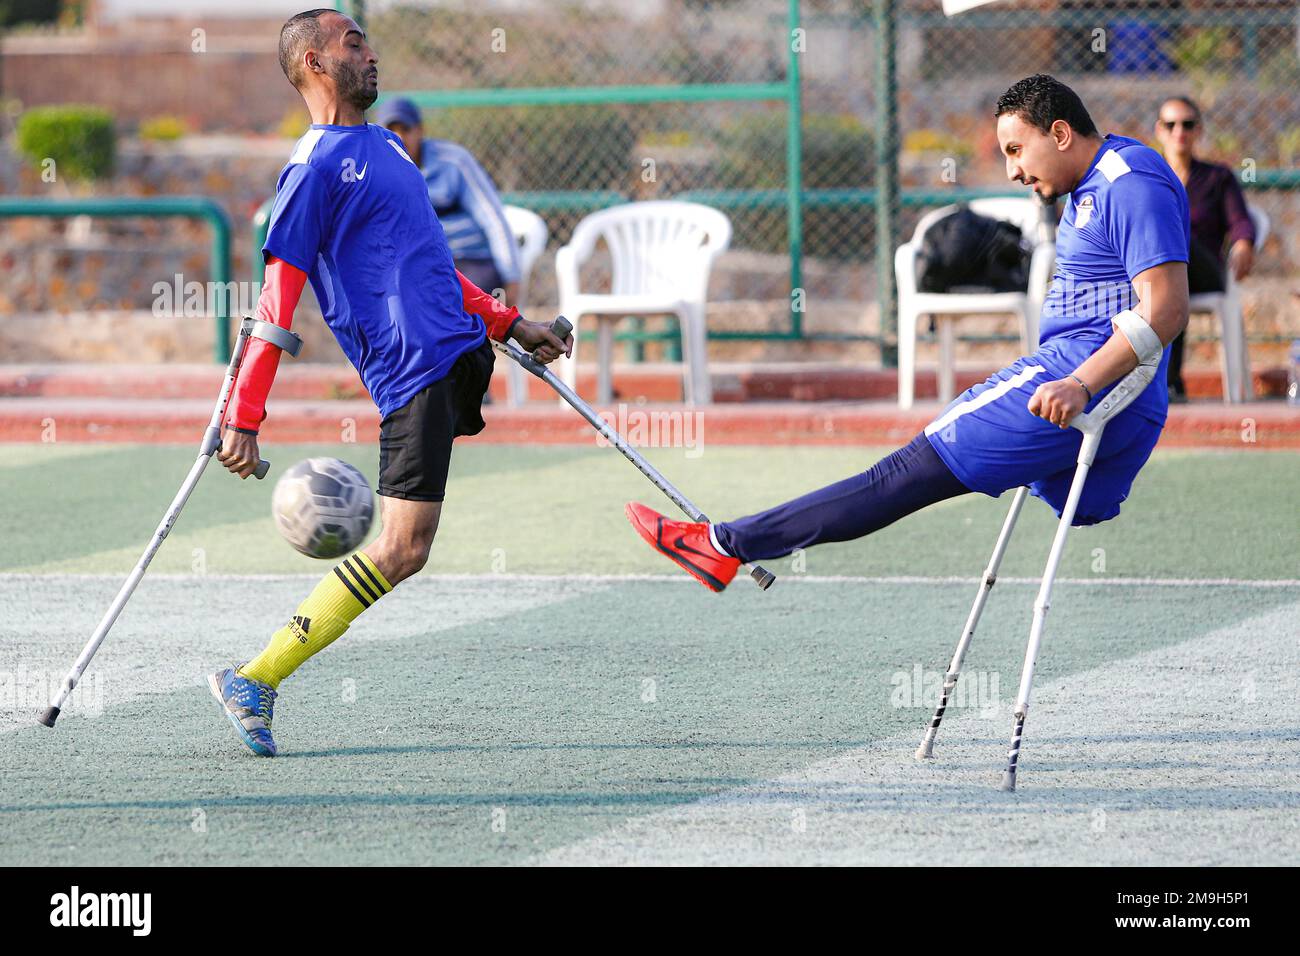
(1219, 216)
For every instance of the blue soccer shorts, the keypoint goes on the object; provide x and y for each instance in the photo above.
(992, 443)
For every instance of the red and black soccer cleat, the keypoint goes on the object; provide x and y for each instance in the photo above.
(687, 543)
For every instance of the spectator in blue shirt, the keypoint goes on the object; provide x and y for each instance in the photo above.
(466, 201)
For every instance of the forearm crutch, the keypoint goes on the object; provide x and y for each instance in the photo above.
(1092, 424)
(989, 578)
(291, 343)
(562, 327)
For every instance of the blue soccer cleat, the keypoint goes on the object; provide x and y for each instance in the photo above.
(249, 704)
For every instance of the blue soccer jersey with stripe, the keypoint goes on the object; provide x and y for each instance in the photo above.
(1128, 214)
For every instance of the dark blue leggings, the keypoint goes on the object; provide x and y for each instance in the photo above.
(906, 481)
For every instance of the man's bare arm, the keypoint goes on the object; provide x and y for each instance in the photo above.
(1162, 301)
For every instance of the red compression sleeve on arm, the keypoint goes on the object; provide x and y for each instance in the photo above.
(495, 316)
(281, 290)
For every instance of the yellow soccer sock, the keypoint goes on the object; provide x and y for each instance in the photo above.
(320, 620)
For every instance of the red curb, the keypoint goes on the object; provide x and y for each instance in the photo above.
(652, 382)
(1258, 425)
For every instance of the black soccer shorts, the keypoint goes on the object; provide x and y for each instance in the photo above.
(415, 441)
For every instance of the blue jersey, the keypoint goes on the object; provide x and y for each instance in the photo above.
(1128, 213)
(353, 212)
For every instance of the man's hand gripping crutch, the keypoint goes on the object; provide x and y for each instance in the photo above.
(250, 328)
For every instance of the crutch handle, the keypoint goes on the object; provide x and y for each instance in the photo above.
(263, 466)
(212, 445)
(560, 328)
(1116, 400)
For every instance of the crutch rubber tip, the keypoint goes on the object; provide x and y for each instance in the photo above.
(925, 751)
(50, 715)
(1008, 781)
(763, 577)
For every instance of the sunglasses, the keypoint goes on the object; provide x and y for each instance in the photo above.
(1187, 124)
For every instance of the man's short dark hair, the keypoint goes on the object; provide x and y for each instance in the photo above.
(300, 31)
(1040, 100)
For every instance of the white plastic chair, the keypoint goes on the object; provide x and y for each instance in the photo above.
(1238, 385)
(913, 305)
(661, 254)
(531, 235)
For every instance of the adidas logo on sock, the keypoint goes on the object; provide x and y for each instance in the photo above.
(300, 626)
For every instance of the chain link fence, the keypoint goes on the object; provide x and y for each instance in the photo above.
(1237, 60)
(887, 105)
(572, 107)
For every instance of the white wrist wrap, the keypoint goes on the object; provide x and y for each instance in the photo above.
(1141, 337)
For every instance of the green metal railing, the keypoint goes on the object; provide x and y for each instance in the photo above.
(188, 207)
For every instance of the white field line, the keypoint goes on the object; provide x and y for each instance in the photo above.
(163, 643)
(1184, 755)
(669, 578)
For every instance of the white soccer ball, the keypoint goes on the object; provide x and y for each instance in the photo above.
(323, 507)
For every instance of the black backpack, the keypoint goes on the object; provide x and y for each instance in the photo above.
(967, 252)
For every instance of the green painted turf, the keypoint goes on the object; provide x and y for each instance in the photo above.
(541, 715)
(490, 720)
(559, 511)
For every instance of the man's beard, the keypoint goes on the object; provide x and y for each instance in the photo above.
(352, 86)
(1046, 193)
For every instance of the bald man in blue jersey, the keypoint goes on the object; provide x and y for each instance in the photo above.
(1119, 296)
(352, 216)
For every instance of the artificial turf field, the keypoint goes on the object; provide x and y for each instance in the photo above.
(549, 690)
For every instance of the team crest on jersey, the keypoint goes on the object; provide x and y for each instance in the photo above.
(1083, 212)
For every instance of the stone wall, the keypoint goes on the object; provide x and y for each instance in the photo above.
(50, 265)
(226, 78)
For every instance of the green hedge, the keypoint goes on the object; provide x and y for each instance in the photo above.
(80, 140)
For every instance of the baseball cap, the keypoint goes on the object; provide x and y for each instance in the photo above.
(400, 110)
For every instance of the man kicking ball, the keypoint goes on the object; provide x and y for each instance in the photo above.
(1119, 297)
(352, 214)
